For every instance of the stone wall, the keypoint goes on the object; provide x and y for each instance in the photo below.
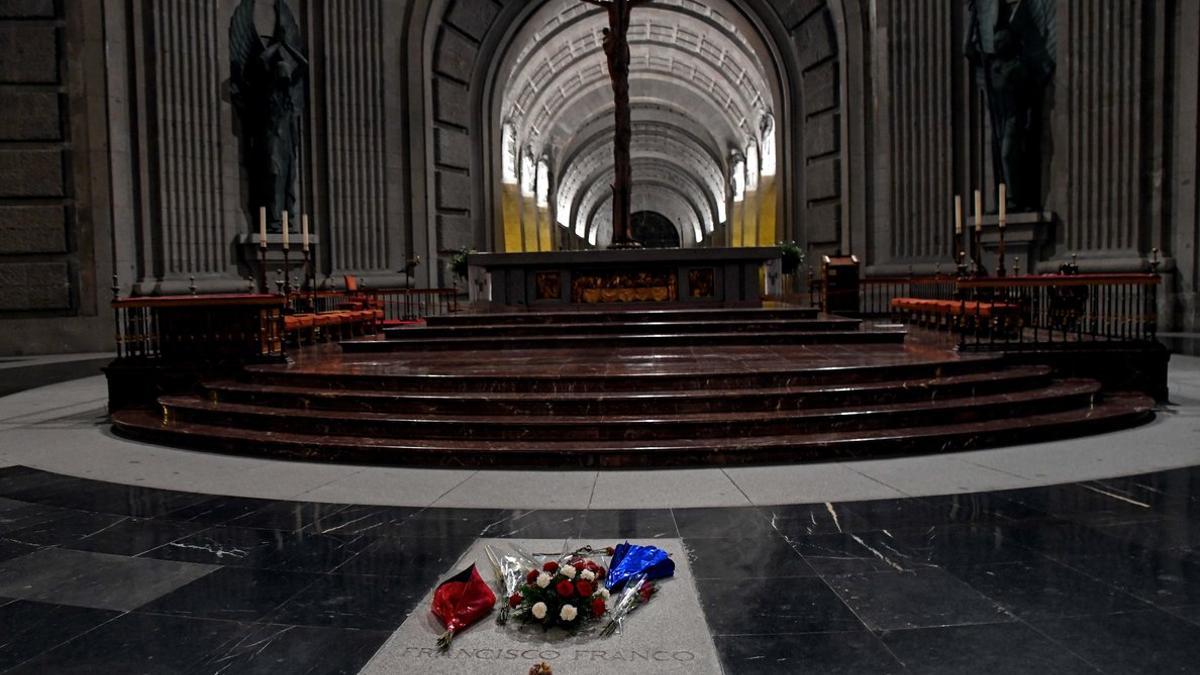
(53, 264)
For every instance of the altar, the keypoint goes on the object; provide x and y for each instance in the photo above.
(734, 277)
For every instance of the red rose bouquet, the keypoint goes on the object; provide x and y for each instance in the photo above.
(567, 593)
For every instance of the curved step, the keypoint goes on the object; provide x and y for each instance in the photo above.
(383, 376)
(667, 339)
(1059, 396)
(1115, 412)
(626, 403)
(617, 314)
(611, 328)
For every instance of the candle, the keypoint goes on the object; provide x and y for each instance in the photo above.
(285, 230)
(1003, 220)
(957, 214)
(978, 211)
(262, 226)
(304, 230)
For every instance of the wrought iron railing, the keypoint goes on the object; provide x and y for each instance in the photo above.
(876, 293)
(1059, 309)
(413, 304)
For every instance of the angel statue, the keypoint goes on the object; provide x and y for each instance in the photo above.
(1012, 45)
(268, 70)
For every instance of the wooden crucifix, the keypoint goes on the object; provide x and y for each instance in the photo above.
(616, 47)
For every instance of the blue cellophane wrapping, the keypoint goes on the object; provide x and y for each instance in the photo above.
(630, 559)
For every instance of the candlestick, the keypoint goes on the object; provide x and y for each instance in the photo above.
(285, 230)
(957, 214)
(1003, 219)
(262, 227)
(978, 210)
(304, 230)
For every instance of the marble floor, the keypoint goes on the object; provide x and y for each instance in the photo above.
(1073, 556)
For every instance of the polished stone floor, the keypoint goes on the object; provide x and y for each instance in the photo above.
(1102, 575)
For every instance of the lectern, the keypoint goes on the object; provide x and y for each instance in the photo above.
(839, 275)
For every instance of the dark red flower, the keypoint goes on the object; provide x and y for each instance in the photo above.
(601, 573)
(514, 600)
(646, 591)
(565, 588)
(551, 567)
(579, 566)
(598, 607)
(531, 577)
(585, 588)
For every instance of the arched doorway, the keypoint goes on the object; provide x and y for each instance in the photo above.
(654, 230)
(705, 95)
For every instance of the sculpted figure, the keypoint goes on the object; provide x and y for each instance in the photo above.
(268, 70)
(1012, 43)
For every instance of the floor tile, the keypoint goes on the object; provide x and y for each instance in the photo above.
(1164, 578)
(853, 553)
(272, 649)
(217, 510)
(65, 529)
(990, 648)
(110, 498)
(966, 544)
(1138, 642)
(96, 580)
(775, 607)
(617, 524)
(138, 643)
(375, 521)
(133, 536)
(233, 594)
(13, 549)
(723, 523)
(418, 560)
(751, 558)
(832, 653)
(265, 549)
(1045, 589)
(352, 601)
(289, 516)
(28, 629)
(916, 599)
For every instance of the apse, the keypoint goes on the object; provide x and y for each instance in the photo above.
(704, 94)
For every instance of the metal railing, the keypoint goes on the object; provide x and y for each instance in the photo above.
(413, 304)
(212, 328)
(875, 294)
(1059, 309)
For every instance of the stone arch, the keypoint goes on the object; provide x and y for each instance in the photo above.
(819, 119)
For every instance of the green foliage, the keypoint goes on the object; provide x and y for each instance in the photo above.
(458, 263)
(792, 255)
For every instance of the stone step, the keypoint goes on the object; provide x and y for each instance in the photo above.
(621, 328)
(569, 371)
(1113, 412)
(633, 402)
(647, 426)
(620, 315)
(666, 339)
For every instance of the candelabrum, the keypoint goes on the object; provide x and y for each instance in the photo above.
(1000, 253)
(310, 275)
(287, 272)
(962, 264)
(263, 287)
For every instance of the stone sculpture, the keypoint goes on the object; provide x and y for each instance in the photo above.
(269, 67)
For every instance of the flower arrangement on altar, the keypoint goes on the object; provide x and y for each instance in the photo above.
(567, 591)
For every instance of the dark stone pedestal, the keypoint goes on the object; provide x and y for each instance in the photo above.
(615, 278)
(1025, 236)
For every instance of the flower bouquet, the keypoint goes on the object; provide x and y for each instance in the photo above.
(567, 594)
(460, 601)
(637, 592)
(509, 568)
